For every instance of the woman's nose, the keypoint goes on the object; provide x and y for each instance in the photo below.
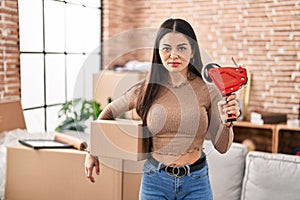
(173, 54)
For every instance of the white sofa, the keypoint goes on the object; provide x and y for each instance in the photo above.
(254, 175)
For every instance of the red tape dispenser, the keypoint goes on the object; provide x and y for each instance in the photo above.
(227, 80)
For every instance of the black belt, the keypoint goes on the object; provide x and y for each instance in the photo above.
(179, 171)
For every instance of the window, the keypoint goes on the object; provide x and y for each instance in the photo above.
(59, 51)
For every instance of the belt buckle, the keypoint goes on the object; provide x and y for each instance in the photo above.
(175, 174)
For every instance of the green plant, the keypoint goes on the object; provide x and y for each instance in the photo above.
(76, 112)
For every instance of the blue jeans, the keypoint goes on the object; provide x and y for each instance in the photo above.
(157, 184)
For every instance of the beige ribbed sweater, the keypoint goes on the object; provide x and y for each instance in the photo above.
(180, 118)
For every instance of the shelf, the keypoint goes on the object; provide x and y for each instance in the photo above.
(285, 127)
(275, 138)
(288, 138)
(252, 125)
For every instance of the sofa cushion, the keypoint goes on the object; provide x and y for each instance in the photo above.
(271, 176)
(226, 171)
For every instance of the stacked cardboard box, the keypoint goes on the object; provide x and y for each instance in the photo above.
(109, 84)
(11, 115)
(120, 139)
(59, 174)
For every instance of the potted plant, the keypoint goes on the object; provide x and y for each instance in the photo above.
(75, 114)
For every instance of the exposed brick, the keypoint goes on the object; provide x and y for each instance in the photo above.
(9, 50)
(9, 95)
(8, 11)
(13, 87)
(11, 4)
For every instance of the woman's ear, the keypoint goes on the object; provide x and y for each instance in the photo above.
(193, 52)
(192, 55)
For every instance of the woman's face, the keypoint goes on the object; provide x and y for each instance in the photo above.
(175, 52)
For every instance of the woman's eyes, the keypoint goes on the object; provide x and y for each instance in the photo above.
(169, 49)
(166, 49)
(181, 48)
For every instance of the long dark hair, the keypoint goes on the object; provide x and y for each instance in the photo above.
(158, 73)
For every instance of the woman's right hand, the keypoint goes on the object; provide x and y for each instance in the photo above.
(90, 163)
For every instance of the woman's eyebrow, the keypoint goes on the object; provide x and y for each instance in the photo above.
(166, 45)
(182, 44)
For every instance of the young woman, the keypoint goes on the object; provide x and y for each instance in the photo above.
(179, 110)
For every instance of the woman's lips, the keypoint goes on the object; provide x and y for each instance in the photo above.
(174, 64)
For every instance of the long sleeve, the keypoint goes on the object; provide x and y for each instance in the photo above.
(221, 135)
(122, 104)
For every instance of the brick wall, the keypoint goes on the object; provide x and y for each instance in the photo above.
(9, 50)
(123, 38)
(263, 35)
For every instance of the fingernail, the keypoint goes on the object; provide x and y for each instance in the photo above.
(223, 102)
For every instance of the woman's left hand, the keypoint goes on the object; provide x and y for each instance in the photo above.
(229, 105)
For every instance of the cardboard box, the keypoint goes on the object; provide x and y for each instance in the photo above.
(121, 139)
(111, 84)
(55, 174)
(58, 174)
(11, 116)
(132, 175)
